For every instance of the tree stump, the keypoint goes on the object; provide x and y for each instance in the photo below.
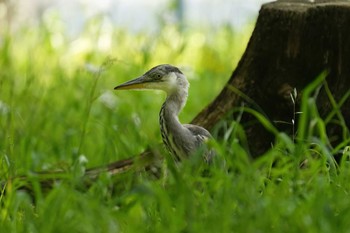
(292, 43)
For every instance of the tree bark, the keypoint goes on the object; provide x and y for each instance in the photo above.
(292, 43)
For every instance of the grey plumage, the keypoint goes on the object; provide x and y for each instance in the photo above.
(180, 140)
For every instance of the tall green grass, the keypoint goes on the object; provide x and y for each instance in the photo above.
(58, 112)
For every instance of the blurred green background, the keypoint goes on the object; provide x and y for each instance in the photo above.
(59, 63)
(55, 105)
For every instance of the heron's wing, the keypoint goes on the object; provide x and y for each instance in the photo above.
(198, 131)
(201, 135)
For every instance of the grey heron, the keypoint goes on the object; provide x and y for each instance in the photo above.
(181, 140)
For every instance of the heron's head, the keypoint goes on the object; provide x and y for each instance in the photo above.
(162, 77)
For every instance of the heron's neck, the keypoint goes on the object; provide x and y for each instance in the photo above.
(170, 125)
(175, 102)
(171, 108)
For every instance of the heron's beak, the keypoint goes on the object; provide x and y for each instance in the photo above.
(137, 83)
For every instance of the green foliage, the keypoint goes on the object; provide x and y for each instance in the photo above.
(58, 111)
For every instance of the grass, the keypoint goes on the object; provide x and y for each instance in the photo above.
(58, 111)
